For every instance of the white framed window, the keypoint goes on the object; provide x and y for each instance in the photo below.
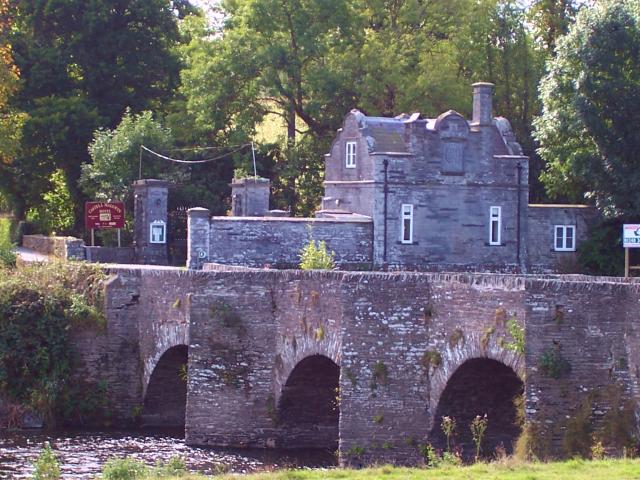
(495, 225)
(350, 157)
(564, 238)
(158, 232)
(406, 231)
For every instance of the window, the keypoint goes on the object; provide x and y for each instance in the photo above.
(564, 238)
(351, 155)
(495, 225)
(407, 224)
(158, 232)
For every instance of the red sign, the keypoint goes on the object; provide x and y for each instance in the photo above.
(103, 215)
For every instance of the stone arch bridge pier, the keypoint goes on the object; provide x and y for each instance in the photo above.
(365, 362)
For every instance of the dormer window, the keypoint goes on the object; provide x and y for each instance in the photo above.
(350, 157)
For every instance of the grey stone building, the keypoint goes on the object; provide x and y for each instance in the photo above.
(409, 192)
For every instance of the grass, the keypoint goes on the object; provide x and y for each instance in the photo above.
(509, 469)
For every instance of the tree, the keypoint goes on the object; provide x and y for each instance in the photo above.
(551, 20)
(588, 130)
(274, 56)
(116, 155)
(82, 63)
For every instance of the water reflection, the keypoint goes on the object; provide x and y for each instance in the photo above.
(82, 454)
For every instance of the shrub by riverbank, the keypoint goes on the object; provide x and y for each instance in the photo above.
(40, 306)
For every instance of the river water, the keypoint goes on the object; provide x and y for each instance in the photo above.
(82, 454)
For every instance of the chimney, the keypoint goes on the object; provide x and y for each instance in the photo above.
(482, 103)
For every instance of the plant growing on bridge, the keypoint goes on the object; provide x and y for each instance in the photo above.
(431, 358)
(380, 375)
(517, 333)
(225, 315)
(456, 337)
(486, 337)
(553, 364)
(316, 256)
(478, 428)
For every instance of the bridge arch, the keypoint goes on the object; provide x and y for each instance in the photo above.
(165, 397)
(480, 386)
(308, 406)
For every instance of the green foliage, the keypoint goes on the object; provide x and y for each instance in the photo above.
(478, 428)
(456, 337)
(553, 364)
(356, 451)
(173, 468)
(80, 68)
(7, 256)
(591, 97)
(46, 466)
(115, 156)
(39, 304)
(602, 252)
(518, 335)
(448, 427)
(380, 375)
(534, 442)
(55, 214)
(124, 469)
(431, 358)
(225, 315)
(617, 430)
(315, 256)
(577, 439)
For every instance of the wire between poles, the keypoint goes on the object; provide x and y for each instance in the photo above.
(191, 162)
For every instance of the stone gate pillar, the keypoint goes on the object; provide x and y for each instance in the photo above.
(198, 231)
(150, 222)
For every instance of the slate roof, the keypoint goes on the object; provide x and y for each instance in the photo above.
(391, 135)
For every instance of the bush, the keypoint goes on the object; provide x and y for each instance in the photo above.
(124, 469)
(46, 466)
(7, 256)
(55, 214)
(39, 305)
(602, 252)
(174, 467)
(316, 256)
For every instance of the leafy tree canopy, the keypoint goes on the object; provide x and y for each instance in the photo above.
(588, 131)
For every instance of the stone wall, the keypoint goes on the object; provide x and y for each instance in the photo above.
(122, 255)
(397, 338)
(591, 330)
(541, 219)
(61, 247)
(262, 241)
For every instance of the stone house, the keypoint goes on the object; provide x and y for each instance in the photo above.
(408, 192)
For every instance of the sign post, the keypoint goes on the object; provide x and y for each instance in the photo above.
(630, 239)
(103, 215)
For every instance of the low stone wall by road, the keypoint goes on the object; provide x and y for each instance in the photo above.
(61, 247)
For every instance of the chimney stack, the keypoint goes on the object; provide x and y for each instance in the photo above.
(482, 103)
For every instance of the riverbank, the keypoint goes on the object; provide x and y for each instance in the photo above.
(506, 470)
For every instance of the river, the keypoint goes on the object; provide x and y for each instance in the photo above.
(82, 454)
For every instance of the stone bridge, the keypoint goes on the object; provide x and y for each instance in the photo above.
(366, 362)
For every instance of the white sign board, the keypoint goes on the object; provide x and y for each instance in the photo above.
(631, 235)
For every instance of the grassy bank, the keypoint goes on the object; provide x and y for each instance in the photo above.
(507, 470)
